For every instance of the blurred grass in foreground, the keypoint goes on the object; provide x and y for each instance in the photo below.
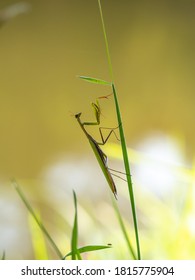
(167, 228)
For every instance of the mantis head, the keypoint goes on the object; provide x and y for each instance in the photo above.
(77, 116)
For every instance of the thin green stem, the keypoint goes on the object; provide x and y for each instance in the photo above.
(127, 169)
(122, 137)
(124, 231)
(106, 41)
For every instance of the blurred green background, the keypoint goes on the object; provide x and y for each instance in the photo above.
(41, 52)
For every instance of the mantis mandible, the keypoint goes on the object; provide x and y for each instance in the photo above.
(100, 155)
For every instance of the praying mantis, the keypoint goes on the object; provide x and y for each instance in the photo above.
(100, 155)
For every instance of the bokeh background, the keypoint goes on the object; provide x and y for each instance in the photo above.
(42, 51)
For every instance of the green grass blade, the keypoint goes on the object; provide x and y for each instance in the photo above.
(37, 238)
(95, 81)
(122, 137)
(74, 241)
(89, 248)
(124, 231)
(39, 223)
(127, 170)
(3, 256)
(106, 41)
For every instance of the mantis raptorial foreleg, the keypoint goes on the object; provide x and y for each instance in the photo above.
(97, 112)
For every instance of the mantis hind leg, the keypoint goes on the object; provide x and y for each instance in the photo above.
(104, 140)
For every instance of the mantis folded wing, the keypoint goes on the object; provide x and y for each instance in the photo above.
(100, 155)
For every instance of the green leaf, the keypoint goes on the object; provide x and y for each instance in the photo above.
(89, 248)
(95, 81)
